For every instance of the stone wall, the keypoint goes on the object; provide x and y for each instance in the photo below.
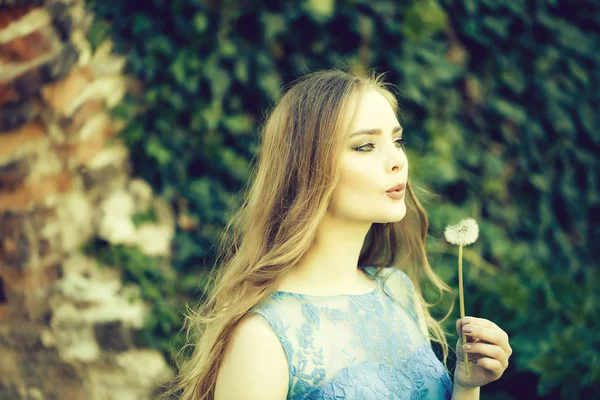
(68, 325)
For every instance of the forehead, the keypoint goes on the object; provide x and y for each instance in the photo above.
(370, 112)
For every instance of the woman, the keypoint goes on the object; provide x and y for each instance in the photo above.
(317, 295)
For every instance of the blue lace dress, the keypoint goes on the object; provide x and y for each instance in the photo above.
(367, 346)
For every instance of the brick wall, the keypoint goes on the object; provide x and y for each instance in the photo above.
(67, 329)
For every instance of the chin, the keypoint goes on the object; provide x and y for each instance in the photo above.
(397, 219)
(391, 217)
(398, 216)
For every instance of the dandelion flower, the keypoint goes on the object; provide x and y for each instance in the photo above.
(462, 234)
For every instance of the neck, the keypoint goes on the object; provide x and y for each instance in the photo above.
(331, 263)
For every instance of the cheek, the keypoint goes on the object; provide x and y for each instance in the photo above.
(357, 184)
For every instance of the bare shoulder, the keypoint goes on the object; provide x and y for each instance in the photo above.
(254, 365)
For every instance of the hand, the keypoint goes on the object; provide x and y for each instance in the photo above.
(489, 348)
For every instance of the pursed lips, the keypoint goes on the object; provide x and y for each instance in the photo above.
(398, 187)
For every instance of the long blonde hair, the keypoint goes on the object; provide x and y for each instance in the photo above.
(297, 170)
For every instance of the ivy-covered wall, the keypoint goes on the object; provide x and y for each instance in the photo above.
(499, 105)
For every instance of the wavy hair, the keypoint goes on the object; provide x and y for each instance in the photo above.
(292, 183)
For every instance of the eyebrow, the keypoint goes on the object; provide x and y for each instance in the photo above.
(375, 131)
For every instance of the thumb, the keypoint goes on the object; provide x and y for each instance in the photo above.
(459, 328)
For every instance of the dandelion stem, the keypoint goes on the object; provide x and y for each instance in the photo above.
(462, 305)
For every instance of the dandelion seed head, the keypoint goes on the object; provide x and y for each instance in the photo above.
(464, 233)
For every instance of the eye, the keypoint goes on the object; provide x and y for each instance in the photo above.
(361, 148)
(399, 141)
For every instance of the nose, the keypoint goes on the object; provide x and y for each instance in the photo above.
(396, 159)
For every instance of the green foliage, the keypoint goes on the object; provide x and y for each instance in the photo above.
(146, 216)
(499, 108)
(422, 19)
(158, 288)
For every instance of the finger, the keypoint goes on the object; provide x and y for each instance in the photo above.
(482, 322)
(459, 332)
(491, 365)
(478, 321)
(458, 327)
(470, 340)
(489, 350)
(491, 335)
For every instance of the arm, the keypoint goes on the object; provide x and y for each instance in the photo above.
(460, 393)
(254, 365)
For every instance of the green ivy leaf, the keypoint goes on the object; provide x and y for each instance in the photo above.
(509, 110)
(320, 10)
(270, 82)
(200, 22)
(219, 80)
(234, 164)
(422, 19)
(212, 114)
(157, 151)
(239, 124)
(274, 25)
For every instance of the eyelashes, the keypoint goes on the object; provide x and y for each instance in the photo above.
(361, 148)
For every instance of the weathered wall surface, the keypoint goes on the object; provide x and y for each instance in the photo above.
(68, 325)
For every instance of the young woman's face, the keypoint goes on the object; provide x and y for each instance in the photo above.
(371, 164)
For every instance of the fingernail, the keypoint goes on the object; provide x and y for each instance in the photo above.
(467, 329)
(466, 320)
(466, 346)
